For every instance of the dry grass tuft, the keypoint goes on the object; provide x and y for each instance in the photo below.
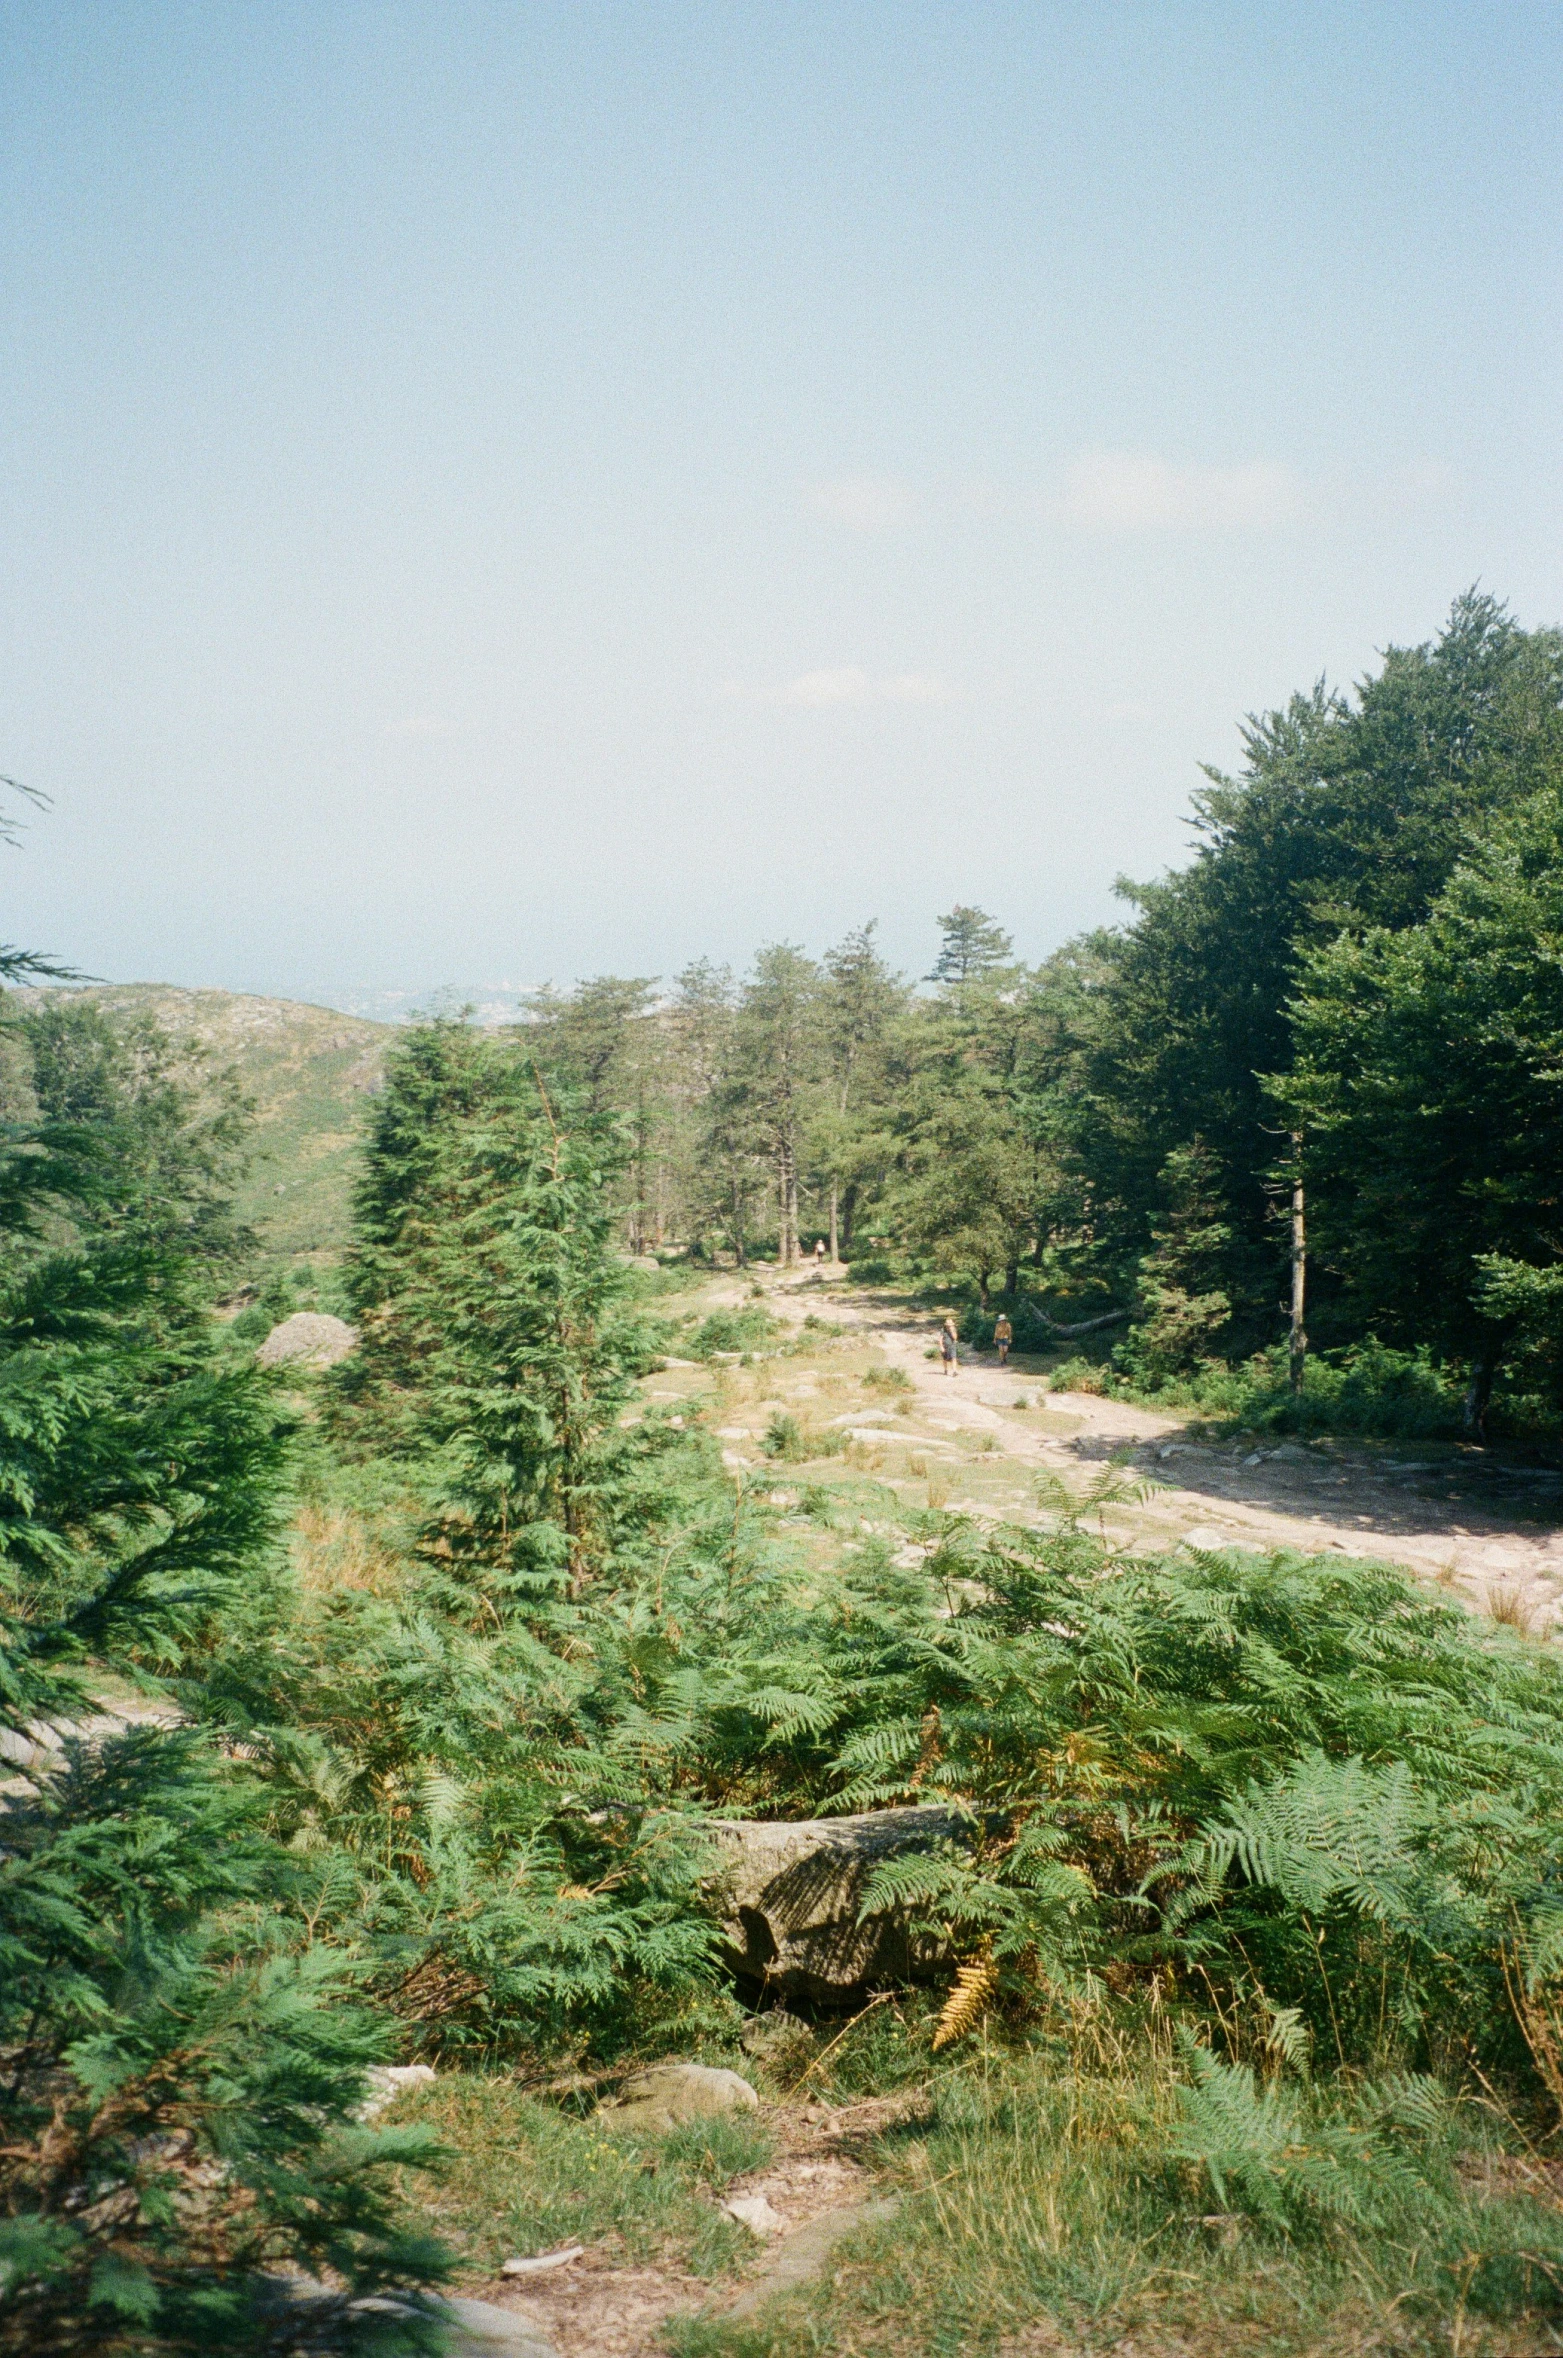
(334, 1549)
(1512, 1607)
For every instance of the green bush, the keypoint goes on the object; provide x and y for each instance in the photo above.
(749, 1329)
(1366, 1388)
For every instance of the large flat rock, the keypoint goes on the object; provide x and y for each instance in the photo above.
(792, 1896)
(802, 2256)
(480, 2329)
(305, 2316)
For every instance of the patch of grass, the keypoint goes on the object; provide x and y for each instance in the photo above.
(522, 2178)
(724, 2146)
(732, 1330)
(1051, 2204)
(793, 1442)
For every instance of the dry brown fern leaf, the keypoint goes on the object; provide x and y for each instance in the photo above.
(975, 1983)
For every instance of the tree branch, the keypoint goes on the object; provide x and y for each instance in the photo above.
(1086, 1326)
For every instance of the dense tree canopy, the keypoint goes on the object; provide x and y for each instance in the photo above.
(1119, 1128)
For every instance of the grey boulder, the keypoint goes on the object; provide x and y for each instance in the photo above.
(302, 2315)
(310, 1338)
(792, 1897)
(670, 2093)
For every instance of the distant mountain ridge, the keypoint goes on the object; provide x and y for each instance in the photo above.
(309, 1071)
(488, 1003)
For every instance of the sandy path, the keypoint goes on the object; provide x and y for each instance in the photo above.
(1490, 1531)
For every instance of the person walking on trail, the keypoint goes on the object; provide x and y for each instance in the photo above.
(1003, 1335)
(948, 1349)
(819, 1253)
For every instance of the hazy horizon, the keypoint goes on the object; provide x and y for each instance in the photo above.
(527, 490)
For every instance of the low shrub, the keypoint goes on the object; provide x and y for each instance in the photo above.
(1367, 1389)
(749, 1329)
(796, 1443)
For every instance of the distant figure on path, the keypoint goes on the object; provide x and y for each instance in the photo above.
(1003, 1335)
(948, 1350)
(819, 1252)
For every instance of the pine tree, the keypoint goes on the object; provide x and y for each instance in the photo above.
(974, 945)
(775, 1070)
(861, 1001)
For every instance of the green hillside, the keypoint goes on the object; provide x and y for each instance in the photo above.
(308, 1071)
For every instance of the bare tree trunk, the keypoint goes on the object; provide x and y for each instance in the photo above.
(1478, 1396)
(787, 1192)
(835, 1224)
(1012, 1277)
(738, 1225)
(982, 1286)
(849, 1211)
(1298, 1342)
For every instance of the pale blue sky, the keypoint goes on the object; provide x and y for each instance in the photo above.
(500, 492)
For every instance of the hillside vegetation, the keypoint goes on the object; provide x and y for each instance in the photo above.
(404, 1711)
(306, 1071)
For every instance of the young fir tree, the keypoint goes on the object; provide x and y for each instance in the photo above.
(462, 1725)
(490, 1298)
(165, 1138)
(175, 2086)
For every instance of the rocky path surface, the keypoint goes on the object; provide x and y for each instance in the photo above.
(1488, 1529)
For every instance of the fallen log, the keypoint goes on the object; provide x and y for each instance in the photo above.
(1085, 1326)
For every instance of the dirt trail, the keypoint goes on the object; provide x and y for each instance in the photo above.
(1489, 1530)
(819, 2183)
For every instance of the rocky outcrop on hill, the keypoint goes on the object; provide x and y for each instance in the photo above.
(310, 1338)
